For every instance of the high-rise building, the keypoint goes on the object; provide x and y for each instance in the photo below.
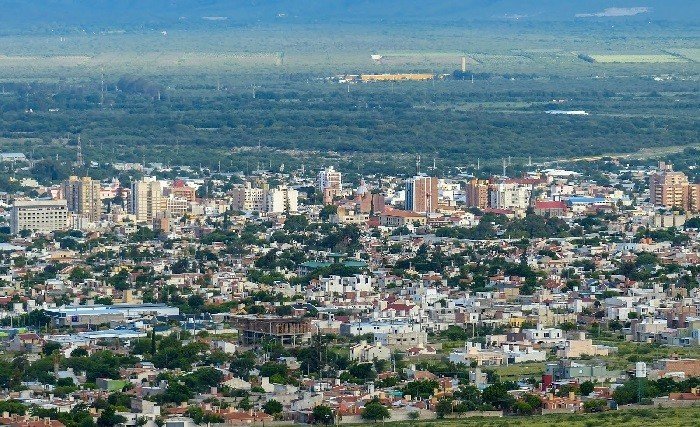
(248, 198)
(282, 199)
(43, 216)
(422, 194)
(509, 195)
(264, 199)
(146, 199)
(329, 183)
(477, 193)
(694, 197)
(82, 197)
(670, 189)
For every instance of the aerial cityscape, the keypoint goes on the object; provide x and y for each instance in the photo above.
(284, 212)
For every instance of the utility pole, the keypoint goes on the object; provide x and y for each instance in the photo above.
(102, 87)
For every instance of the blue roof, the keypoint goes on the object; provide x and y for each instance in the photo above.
(586, 200)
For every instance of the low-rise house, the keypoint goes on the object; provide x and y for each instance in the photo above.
(364, 352)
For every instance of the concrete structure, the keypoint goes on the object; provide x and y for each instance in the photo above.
(575, 348)
(43, 216)
(364, 352)
(146, 199)
(474, 352)
(548, 208)
(181, 190)
(248, 198)
(401, 340)
(509, 195)
(568, 370)
(329, 183)
(176, 207)
(422, 194)
(282, 199)
(288, 331)
(83, 197)
(397, 218)
(98, 314)
(346, 216)
(477, 193)
(672, 189)
(544, 335)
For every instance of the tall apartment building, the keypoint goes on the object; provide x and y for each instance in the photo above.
(83, 197)
(282, 199)
(477, 193)
(263, 199)
(670, 189)
(329, 183)
(694, 198)
(248, 198)
(146, 199)
(422, 194)
(43, 216)
(509, 195)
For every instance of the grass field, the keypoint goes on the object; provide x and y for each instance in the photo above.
(328, 50)
(692, 54)
(637, 59)
(685, 417)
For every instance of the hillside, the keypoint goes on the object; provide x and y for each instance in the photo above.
(29, 15)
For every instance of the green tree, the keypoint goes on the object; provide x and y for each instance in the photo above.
(374, 411)
(322, 414)
(109, 418)
(272, 407)
(595, 405)
(443, 407)
(586, 388)
(50, 347)
(497, 395)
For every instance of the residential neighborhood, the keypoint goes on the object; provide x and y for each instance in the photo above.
(189, 298)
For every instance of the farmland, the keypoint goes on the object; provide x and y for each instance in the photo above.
(223, 91)
(640, 59)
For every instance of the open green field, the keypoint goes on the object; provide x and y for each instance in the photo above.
(636, 59)
(685, 417)
(201, 96)
(323, 49)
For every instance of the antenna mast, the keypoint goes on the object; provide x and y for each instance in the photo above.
(79, 159)
(102, 86)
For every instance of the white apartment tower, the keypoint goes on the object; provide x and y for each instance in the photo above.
(282, 199)
(329, 183)
(509, 195)
(248, 198)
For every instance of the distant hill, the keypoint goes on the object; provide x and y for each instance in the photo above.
(31, 15)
